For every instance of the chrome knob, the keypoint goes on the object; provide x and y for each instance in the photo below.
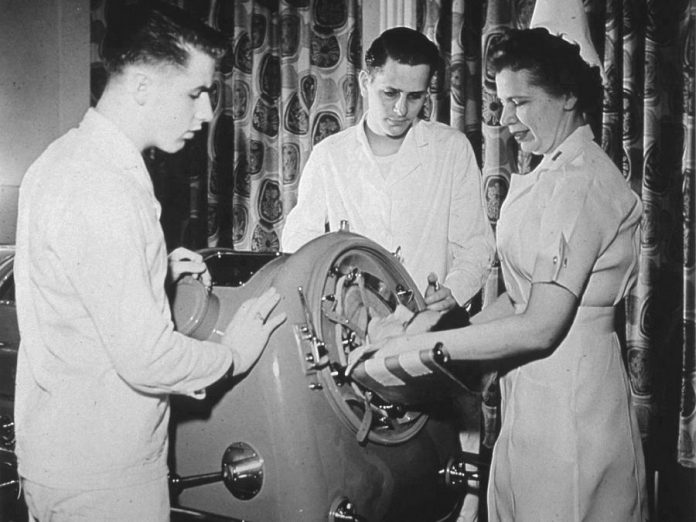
(404, 295)
(343, 510)
(455, 473)
(242, 470)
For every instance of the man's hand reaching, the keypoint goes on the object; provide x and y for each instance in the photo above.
(437, 297)
(250, 329)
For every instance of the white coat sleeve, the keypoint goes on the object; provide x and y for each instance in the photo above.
(471, 242)
(307, 220)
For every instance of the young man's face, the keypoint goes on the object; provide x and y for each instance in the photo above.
(181, 103)
(395, 94)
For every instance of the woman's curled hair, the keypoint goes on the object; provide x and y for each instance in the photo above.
(553, 64)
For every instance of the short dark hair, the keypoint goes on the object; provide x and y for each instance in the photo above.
(403, 45)
(553, 64)
(153, 32)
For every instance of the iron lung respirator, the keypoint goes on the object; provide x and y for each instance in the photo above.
(295, 439)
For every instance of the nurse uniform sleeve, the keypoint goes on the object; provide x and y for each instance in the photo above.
(570, 235)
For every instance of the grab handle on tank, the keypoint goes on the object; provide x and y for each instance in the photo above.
(455, 473)
(178, 483)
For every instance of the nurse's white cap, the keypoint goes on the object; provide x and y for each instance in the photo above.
(567, 19)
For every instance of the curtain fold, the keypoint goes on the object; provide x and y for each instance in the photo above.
(687, 426)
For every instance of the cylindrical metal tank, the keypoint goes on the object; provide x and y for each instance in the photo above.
(295, 440)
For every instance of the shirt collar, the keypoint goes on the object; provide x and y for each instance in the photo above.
(415, 133)
(567, 150)
(113, 145)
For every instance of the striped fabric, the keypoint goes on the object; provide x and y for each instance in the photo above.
(409, 378)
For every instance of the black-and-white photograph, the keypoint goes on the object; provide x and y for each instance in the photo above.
(347, 261)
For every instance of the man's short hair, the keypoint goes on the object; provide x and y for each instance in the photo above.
(403, 45)
(152, 32)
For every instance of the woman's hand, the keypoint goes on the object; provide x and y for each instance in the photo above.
(250, 329)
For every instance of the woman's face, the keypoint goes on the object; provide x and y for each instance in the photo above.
(537, 120)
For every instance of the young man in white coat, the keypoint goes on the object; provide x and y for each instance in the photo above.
(411, 185)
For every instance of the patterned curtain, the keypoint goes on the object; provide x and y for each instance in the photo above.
(687, 425)
(288, 81)
(647, 127)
